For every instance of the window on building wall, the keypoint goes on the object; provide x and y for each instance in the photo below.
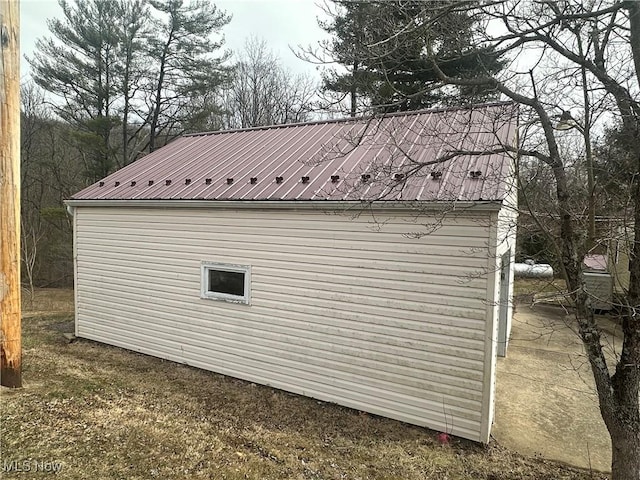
(226, 282)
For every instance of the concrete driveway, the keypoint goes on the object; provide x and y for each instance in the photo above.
(546, 403)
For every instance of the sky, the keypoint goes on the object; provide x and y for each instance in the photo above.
(282, 23)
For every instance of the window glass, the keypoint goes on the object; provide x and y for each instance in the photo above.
(231, 283)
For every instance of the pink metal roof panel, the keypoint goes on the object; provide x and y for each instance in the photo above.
(431, 155)
(596, 262)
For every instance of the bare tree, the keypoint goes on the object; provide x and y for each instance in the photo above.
(262, 92)
(52, 170)
(33, 112)
(552, 48)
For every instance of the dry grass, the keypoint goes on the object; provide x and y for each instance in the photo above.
(47, 301)
(107, 413)
(526, 289)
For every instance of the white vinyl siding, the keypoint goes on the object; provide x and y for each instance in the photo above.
(347, 310)
(507, 221)
(503, 240)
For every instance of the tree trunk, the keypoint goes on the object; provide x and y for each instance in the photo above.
(354, 89)
(625, 461)
(634, 21)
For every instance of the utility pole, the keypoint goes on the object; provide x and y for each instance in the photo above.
(10, 329)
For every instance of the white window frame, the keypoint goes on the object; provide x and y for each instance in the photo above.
(205, 293)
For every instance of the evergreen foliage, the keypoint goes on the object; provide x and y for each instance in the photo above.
(383, 47)
(143, 66)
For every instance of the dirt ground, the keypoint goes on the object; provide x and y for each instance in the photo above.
(546, 405)
(97, 411)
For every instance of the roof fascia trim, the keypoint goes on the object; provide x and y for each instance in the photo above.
(290, 204)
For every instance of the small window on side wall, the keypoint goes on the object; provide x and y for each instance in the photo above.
(226, 282)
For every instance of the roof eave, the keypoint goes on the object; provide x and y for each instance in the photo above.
(291, 204)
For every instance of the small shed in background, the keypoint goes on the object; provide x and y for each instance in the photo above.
(606, 268)
(365, 262)
(598, 281)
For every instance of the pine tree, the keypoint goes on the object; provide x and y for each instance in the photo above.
(80, 65)
(182, 66)
(382, 45)
(111, 63)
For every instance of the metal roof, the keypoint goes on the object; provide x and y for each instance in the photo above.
(430, 155)
(596, 262)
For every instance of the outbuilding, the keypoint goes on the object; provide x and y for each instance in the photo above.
(366, 262)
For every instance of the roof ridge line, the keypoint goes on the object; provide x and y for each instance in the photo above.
(354, 119)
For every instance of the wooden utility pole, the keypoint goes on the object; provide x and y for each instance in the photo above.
(10, 330)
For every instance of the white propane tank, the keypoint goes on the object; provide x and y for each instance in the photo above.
(532, 270)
